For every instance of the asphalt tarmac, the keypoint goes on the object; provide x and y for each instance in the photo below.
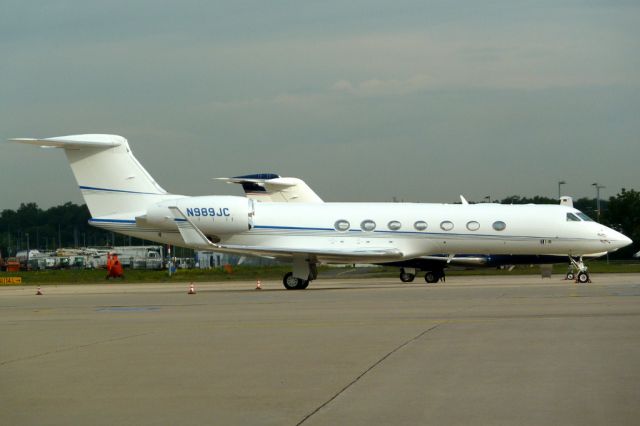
(475, 350)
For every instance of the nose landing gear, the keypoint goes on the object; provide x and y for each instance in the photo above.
(582, 276)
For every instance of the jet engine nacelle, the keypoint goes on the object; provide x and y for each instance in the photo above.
(213, 215)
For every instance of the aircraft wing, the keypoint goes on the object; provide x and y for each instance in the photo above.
(193, 237)
(370, 255)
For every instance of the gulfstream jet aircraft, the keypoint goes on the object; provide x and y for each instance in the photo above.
(122, 197)
(270, 187)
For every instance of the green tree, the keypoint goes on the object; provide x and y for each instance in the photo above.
(624, 214)
(65, 225)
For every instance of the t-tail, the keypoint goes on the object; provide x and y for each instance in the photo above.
(111, 179)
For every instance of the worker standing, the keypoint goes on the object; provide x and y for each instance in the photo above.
(114, 267)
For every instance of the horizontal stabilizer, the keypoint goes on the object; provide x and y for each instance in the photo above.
(74, 141)
(269, 187)
(278, 181)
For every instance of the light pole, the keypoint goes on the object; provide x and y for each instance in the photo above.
(560, 183)
(598, 188)
(488, 198)
(27, 250)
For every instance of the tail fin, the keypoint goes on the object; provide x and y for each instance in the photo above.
(112, 181)
(269, 187)
(565, 200)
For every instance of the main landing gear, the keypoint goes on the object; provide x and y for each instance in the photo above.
(434, 276)
(292, 283)
(407, 275)
(302, 267)
(582, 274)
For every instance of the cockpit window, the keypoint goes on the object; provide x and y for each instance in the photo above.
(584, 217)
(572, 218)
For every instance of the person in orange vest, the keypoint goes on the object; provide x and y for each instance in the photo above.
(114, 267)
(109, 265)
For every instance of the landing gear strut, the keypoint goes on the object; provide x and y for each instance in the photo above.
(582, 276)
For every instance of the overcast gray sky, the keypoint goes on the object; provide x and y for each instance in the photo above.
(364, 100)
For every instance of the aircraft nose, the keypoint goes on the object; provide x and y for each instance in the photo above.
(619, 240)
(626, 240)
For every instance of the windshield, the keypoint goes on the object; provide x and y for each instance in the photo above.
(572, 218)
(584, 217)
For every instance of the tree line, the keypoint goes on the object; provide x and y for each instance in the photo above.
(60, 226)
(67, 225)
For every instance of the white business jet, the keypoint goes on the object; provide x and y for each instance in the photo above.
(270, 187)
(122, 197)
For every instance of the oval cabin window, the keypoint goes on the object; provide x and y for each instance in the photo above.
(446, 225)
(420, 225)
(394, 225)
(368, 225)
(341, 225)
(473, 225)
(499, 225)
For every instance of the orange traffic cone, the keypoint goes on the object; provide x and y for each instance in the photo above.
(192, 289)
(39, 292)
(258, 285)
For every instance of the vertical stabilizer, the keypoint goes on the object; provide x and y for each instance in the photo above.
(565, 200)
(111, 179)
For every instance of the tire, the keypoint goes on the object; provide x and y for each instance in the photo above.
(582, 278)
(570, 276)
(290, 282)
(431, 277)
(303, 284)
(406, 278)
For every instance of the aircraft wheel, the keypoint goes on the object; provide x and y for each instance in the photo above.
(406, 278)
(431, 277)
(290, 282)
(583, 278)
(570, 276)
